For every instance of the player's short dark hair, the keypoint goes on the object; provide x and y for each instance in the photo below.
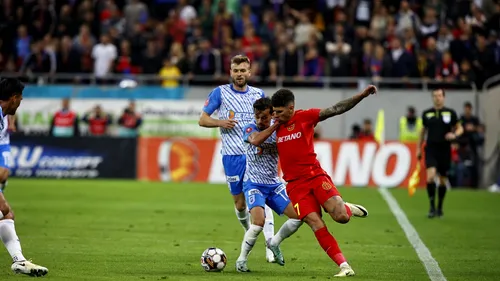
(239, 59)
(282, 97)
(10, 87)
(263, 104)
(442, 90)
(468, 104)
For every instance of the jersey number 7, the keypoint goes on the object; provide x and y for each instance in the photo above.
(297, 209)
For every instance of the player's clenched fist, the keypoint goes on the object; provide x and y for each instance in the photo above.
(227, 124)
(370, 90)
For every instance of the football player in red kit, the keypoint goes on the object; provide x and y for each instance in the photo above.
(309, 186)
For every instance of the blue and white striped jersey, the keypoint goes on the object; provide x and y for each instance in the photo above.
(262, 161)
(233, 104)
(4, 125)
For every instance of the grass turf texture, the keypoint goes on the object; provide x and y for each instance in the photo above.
(126, 230)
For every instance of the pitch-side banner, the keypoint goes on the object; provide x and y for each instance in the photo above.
(160, 117)
(85, 157)
(349, 163)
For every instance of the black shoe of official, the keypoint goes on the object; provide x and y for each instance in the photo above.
(440, 213)
(432, 214)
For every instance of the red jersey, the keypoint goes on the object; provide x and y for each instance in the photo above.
(296, 147)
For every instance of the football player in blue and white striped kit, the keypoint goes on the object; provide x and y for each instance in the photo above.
(11, 94)
(262, 184)
(234, 103)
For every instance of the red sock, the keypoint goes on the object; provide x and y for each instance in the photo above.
(349, 212)
(329, 244)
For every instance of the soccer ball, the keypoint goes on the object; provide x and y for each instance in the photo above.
(213, 260)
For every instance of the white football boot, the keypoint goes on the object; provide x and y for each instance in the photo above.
(357, 210)
(345, 271)
(29, 268)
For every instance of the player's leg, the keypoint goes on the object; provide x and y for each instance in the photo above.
(431, 166)
(234, 168)
(280, 203)
(269, 231)
(256, 201)
(328, 196)
(324, 237)
(443, 168)
(9, 238)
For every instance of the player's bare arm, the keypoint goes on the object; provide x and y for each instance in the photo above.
(209, 122)
(259, 138)
(347, 104)
(12, 122)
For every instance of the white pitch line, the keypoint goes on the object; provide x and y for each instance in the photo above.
(425, 256)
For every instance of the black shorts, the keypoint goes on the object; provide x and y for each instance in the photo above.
(438, 156)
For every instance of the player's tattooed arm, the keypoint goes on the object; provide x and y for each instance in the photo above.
(259, 138)
(346, 105)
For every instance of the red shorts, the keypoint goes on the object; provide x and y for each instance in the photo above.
(309, 195)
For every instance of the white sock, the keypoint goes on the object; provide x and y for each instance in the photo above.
(269, 223)
(286, 230)
(243, 218)
(10, 240)
(249, 241)
(344, 264)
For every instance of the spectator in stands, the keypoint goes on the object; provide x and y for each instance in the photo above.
(483, 59)
(187, 13)
(467, 74)
(291, 60)
(366, 133)
(379, 65)
(402, 62)
(406, 18)
(151, 61)
(65, 122)
(404, 29)
(104, 55)
(444, 39)
(39, 61)
(379, 23)
(23, 43)
(129, 122)
(426, 68)
(355, 132)
(170, 74)
(206, 62)
(98, 122)
(313, 64)
(448, 70)
(135, 12)
(84, 40)
(68, 57)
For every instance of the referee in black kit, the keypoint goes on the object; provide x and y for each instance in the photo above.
(441, 127)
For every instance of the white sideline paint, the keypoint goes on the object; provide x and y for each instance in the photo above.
(430, 264)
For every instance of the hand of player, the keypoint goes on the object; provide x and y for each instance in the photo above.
(419, 154)
(450, 136)
(370, 90)
(227, 124)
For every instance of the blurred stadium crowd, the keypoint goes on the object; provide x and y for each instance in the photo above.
(453, 41)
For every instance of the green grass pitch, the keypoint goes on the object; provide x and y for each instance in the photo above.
(129, 230)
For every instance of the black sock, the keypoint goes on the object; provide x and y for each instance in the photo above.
(431, 192)
(441, 194)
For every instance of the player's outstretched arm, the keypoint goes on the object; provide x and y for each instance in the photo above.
(347, 104)
(258, 138)
(209, 122)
